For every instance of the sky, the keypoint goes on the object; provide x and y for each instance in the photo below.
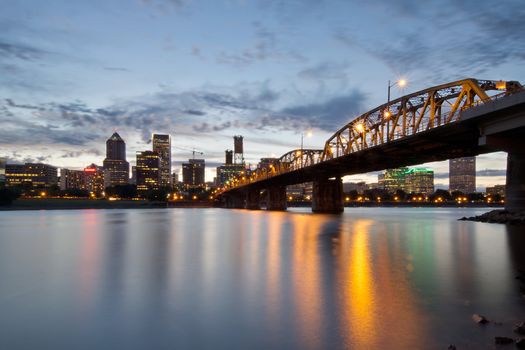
(73, 72)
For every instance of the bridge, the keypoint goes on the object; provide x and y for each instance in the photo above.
(462, 118)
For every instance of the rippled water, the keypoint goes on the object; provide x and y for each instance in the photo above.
(232, 279)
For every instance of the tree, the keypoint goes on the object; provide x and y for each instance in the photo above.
(7, 196)
(122, 191)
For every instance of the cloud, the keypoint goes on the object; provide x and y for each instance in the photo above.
(331, 114)
(117, 69)
(265, 47)
(491, 172)
(20, 51)
(325, 71)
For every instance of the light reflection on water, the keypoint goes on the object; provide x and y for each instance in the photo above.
(232, 279)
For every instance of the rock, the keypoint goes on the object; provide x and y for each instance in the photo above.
(519, 328)
(503, 340)
(479, 319)
(463, 219)
(520, 343)
(452, 347)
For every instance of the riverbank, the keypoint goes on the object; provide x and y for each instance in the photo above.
(500, 216)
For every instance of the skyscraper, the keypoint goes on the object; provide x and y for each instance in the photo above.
(148, 171)
(116, 168)
(193, 172)
(462, 174)
(162, 146)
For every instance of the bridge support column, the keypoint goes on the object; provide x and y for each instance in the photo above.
(234, 201)
(515, 186)
(276, 198)
(328, 196)
(253, 198)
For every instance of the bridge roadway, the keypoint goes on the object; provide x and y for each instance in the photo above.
(496, 125)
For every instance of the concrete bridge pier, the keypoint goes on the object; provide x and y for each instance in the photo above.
(253, 199)
(515, 186)
(234, 201)
(276, 198)
(328, 196)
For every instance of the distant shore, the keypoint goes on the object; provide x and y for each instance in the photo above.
(62, 204)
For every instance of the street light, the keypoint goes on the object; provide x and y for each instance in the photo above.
(308, 134)
(386, 114)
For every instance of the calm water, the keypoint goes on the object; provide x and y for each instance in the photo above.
(232, 279)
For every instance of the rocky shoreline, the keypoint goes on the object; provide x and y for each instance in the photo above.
(499, 216)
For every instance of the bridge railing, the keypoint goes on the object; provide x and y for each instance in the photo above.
(403, 117)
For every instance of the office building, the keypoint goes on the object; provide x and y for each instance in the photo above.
(496, 190)
(72, 179)
(462, 174)
(393, 179)
(3, 162)
(193, 173)
(228, 171)
(359, 187)
(116, 168)
(94, 179)
(162, 146)
(419, 180)
(31, 174)
(148, 171)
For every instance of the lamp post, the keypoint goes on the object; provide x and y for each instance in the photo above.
(308, 134)
(386, 114)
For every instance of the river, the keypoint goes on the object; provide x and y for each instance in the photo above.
(371, 278)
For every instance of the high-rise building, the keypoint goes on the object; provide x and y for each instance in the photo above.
(148, 171)
(193, 172)
(31, 174)
(94, 179)
(3, 162)
(462, 174)
(116, 168)
(419, 180)
(228, 171)
(72, 179)
(162, 145)
(174, 178)
(393, 179)
(238, 150)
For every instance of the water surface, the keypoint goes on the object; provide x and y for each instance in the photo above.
(372, 278)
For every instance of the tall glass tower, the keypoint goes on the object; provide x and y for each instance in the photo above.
(116, 168)
(162, 146)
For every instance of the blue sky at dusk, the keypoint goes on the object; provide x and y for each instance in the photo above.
(72, 72)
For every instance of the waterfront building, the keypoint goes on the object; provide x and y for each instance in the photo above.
(148, 171)
(229, 170)
(359, 187)
(193, 172)
(419, 180)
(496, 190)
(31, 174)
(94, 179)
(393, 179)
(462, 174)
(3, 162)
(116, 168)
(162, 146)
(72, 179)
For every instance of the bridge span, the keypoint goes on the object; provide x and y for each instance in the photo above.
(463, 118)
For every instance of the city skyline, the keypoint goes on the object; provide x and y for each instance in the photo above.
(279, 70)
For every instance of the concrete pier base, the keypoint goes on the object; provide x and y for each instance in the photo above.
(234, 201)
(277, 198)
(328, 196)
(253, 199)
(515, 186)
